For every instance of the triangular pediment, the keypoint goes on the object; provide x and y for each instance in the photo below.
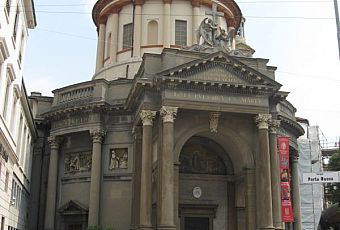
(219, 68)
(212, 72)
(73, 207)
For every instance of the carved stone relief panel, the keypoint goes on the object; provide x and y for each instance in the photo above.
(77, 162)
(118, 158)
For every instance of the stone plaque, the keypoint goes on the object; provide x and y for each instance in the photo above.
(77, 162)
(118, 158)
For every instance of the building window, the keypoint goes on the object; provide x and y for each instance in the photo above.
(16, 24)
(21, 48)
(12, 123)
(6, 181)
(19, 137)
(181, 32)
(4, 111)
(8, 6)
(152, 32)
(13, 193)
(2, 223)
(23, 147)
(127, 36)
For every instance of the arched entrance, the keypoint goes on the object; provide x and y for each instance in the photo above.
(206, 186)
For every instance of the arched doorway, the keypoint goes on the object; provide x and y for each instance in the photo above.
(206, 186)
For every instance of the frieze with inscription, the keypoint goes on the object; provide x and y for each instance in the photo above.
(217, 98)
(118, 158)
(71, 121)
(77, 162)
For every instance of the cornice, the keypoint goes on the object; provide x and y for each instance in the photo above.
(291, 125)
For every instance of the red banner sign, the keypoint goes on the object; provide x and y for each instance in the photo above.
(286, 202)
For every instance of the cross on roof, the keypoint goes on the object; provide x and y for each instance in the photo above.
(214, 13)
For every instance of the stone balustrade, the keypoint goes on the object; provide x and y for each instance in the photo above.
(78, 94)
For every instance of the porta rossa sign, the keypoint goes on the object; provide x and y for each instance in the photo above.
(320, 177)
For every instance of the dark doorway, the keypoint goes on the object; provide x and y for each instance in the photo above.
(196, 223)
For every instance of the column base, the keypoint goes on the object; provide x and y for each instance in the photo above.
(146, 228)
(166, 228)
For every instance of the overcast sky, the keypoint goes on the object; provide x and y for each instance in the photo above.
(297, 36)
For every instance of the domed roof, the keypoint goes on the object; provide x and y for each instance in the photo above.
(103, 8)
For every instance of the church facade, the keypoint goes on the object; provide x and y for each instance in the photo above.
(176, 130)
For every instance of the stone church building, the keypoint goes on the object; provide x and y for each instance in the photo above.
(177, 129)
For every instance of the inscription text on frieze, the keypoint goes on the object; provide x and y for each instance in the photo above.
(218, 98)
(217, 74)
(71, 121)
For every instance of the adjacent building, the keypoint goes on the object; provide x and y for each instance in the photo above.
(17, 129)
(312, 195)
(177, 129)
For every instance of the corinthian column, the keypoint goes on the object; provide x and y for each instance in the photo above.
(166, 220)
(296, 193)
(263, 178)
(146, 174)
(52, 183)
(100, 47)
(275, 173)
(97, 138)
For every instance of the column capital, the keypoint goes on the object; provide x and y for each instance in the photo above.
(97, 135)
(168, 113)
(262, 120)
(274, 125)
(54, 141)
(167, 1)
(147, 116)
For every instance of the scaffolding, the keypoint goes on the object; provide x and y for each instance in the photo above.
(310, 161)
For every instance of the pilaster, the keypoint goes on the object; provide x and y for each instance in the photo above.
(137, 31)
(114, 37)
(100, 47)
(166, 23)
